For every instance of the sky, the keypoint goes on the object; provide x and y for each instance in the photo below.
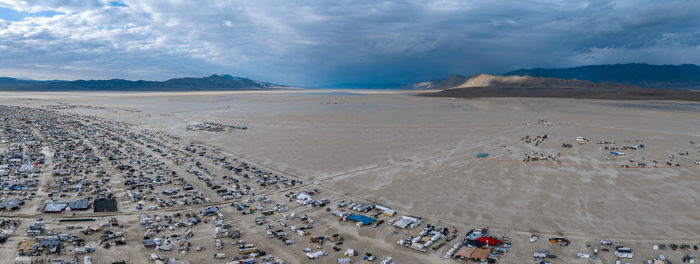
(324, 42)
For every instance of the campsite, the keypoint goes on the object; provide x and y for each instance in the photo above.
(141, 180)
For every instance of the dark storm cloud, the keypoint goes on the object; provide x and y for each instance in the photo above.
(321, 42)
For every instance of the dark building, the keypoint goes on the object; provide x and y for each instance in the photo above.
(104, 205)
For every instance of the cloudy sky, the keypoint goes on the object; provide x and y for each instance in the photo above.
(320, 42)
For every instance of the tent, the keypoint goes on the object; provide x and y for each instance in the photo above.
(104, 205)
(78, 205)
(51, 207)
(405, 221)
(365, 220)
(464, 252)
(23, 260)
(489, 240)
(480, 254)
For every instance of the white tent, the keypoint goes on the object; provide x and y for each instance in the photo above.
(23, 260)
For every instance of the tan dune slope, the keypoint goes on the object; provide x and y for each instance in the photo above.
(486, 80)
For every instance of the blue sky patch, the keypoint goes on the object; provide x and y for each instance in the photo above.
(117, 3)
(14, 15)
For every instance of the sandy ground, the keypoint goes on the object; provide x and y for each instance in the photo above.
(417, 155)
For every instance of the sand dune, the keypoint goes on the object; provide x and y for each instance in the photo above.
(485, 80)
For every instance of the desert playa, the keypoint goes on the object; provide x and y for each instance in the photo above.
(630, 177)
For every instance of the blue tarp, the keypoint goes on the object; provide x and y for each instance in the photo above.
(482, 155)
(366, 220)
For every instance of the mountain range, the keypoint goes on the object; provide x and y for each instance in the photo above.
(7, 83)
(618, 81)
(686, 76)
(214, 82)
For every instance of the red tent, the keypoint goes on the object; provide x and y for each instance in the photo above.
(489, 240)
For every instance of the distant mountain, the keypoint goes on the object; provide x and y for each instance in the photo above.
(212, 83)
(12, 82)
(686, 76)
(484, 85)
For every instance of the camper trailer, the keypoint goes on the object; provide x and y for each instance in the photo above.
(317, 254)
